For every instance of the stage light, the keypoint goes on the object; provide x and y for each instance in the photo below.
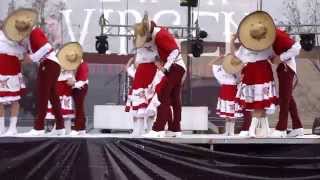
(192, 3)
(102, 44)
(307, 41)
(203, 34)
(316, 126)
(197, 48)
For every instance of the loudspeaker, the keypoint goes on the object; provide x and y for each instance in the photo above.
(192, 3)
(308, 41)
(197, 48)
(316, 126)
(102, 44)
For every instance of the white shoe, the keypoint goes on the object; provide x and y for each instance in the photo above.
(278, 134)
(11, 132)
(77, 133)
(244, 134)
(296, 132)
(57, 132)
(34, 132)
(155, 134)
(173, 134)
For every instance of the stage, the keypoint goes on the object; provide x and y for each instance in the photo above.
(119, 156)
(209, 139)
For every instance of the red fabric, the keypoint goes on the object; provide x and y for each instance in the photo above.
(257, 104)
(37, 39)
(286, 100)
(224, 114)
(63, 111)
(79, 96)
(144, 75)
(228, 92)
(165, 43)
(63, 88)
(257, 73)
(82, 72)
(48, 74)
(9, 65)
(8, 93)
(140, 106)
(169, 94)
(282, 43)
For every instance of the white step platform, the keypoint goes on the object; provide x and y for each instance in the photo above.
(114, 117)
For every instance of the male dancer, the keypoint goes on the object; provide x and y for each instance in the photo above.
(23, 26)
(168, 92)
(286, 49)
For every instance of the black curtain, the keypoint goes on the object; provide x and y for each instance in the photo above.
(112, 158)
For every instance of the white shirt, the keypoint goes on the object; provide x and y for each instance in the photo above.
(222, 76)
(147, 54)
(10, 47)
(288, 57)
(249, 56)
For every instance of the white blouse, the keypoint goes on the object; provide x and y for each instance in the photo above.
(10, 47)
(222, 76)
(249, 56)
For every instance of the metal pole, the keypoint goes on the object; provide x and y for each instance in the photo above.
(189, 59)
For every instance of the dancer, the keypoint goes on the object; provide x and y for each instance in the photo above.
(286, 49)
(64, 91)
(227, 93)
(256, 91)
(79, 93)
(143, 70)
(168, 92)
(11, 79)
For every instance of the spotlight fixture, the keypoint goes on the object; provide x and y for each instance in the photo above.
(102, 44)
(192, 3)
(307, 41)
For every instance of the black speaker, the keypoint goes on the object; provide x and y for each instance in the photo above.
(197, 48)
(316, 126)
(192, 3)
(308, 41)
(102, 44)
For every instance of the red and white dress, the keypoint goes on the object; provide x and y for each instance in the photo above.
(142, 89)
(64, 92)
(227, 93)
(11, 80)
(257, 88)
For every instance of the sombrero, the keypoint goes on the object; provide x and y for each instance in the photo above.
(70, 55)
(141, 32)
(232, 64)
(218, 60)
(257, 31)
(18, 25)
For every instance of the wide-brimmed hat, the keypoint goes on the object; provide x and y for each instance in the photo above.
(141, 31)
(18, 25)
(232, 64)
(218, 60)
(257, 31)
(70, 55)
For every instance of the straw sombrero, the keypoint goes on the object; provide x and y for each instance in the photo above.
(232, 64)
(257, 31)
(18, 25)
(70, 55)
(141, 32)
(218, 60)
